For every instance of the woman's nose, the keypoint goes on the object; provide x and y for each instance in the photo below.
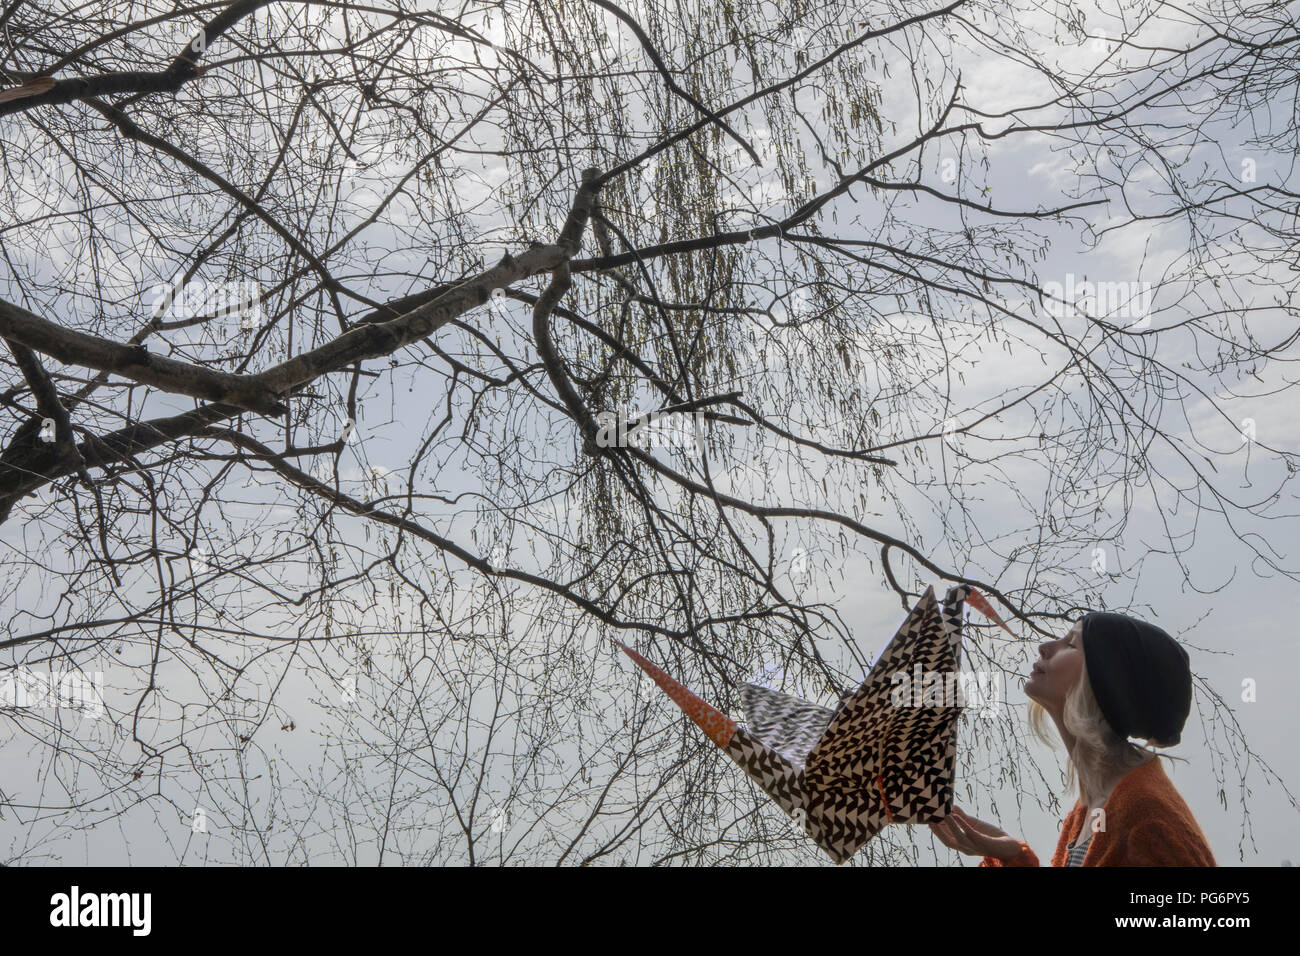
(1046, 649)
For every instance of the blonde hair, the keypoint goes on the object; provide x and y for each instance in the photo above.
(1097, 747)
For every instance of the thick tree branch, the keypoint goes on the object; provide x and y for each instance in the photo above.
(47, 91)
(374, 336)
(135, 362)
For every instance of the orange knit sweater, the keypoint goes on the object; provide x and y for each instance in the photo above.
(1147, 823)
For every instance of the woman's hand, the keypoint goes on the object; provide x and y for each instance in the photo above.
(965, 834)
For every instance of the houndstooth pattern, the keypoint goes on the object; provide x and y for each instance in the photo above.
(840, 822)
(869, 762)
(903, 754)
(789, 725)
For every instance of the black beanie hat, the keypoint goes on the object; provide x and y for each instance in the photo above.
(1139, 675)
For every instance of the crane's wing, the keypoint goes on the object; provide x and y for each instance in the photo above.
(789, 725)
(838, 822)
(953, 613)
(895, 736)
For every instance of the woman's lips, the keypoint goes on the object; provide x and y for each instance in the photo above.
(1037, 669)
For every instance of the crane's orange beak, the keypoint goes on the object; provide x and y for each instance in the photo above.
(981, 604)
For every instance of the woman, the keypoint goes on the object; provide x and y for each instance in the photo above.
(1111, 678)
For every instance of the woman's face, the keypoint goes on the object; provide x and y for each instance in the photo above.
(1059, 664)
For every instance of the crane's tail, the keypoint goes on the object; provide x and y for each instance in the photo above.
(712, 721)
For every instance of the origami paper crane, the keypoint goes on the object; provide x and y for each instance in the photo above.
(844, 774)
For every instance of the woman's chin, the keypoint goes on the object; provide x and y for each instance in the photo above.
(1032, 688)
